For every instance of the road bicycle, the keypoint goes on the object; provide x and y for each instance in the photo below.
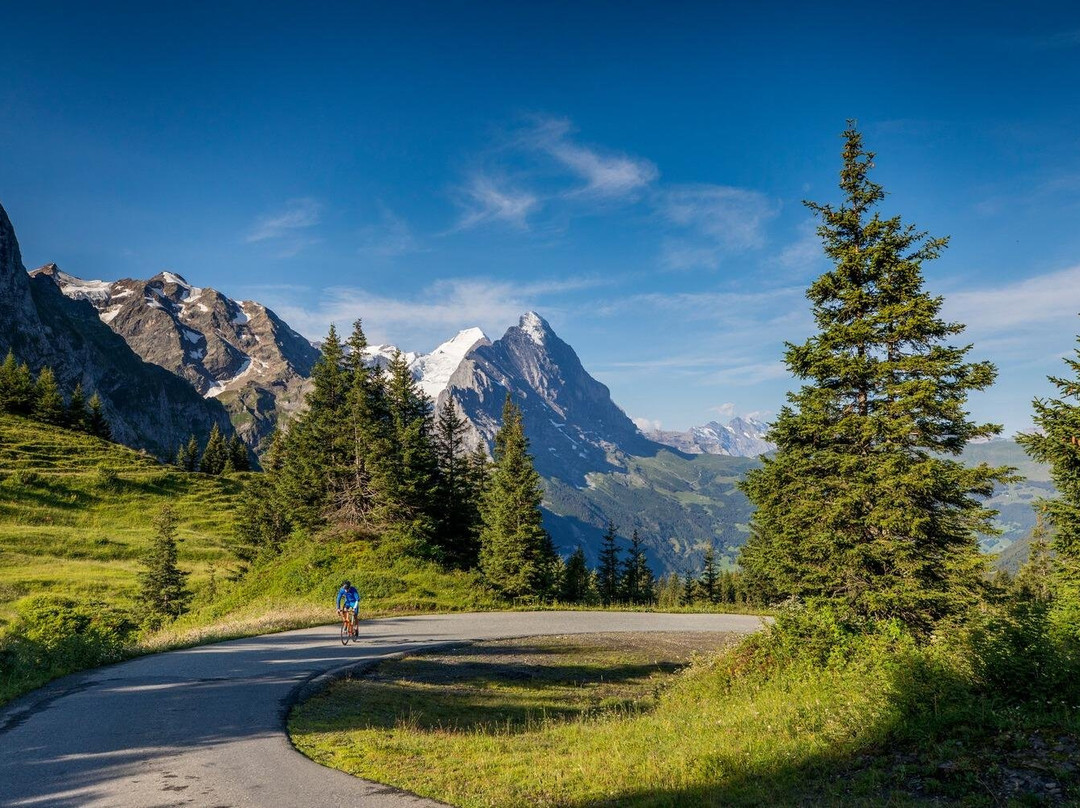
(350, 628)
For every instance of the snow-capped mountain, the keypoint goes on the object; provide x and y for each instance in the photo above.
(573, 426)
(146, 406)
(237, 351)
(741, 437)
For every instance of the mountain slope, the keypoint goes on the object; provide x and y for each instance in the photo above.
(238, 351)
(740, 437)
(147, 406)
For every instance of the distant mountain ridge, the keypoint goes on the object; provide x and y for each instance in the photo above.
(740, 437)
(237, 351)
(147, 406)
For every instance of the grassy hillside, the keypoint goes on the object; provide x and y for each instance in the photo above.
(75, 516)
(76, 511)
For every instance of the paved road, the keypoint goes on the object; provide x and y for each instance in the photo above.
(205, 726)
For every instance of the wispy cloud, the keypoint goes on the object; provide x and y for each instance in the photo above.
(1048, 298)
(606, 173)
(297, 215)
(430, 315)
(488, 199)
(714, 219)
(391, 237)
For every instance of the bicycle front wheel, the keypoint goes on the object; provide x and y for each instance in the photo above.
(346, 634)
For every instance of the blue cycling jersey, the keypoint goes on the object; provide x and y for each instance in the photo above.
(349, 596)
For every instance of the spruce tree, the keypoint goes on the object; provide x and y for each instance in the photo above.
(409, 466)
(238, 454)
(75, 415)
(16, 387)
(516, 556)
(607, 572)
(454, 503)
(181, 461)
(48, 403)
(710, 576)
(263, 519)
(1057, 443)
(215, 455)
(192, 454)
(862, 505)
(576, 580)
(96, 422)
(162, 583)
(689, 589)
(637, 583)
(317, 448)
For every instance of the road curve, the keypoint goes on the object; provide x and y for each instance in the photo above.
(205, 726)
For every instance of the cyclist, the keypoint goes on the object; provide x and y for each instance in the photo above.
(348, 599)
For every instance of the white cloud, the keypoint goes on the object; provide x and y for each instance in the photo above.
(298, 214)
(725, 410)
(1050, 298)
(716, 219)
(486, 199)
(606, 174)
(647, 424)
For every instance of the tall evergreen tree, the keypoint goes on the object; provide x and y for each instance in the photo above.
(576, 580)
(16, 387)
(181, 460)
(709, 585)
(162, 583)
(454, 501)
(75, 414)
(192, 454)
(317, 448)
(607, 572)
(637, 583)
(263, 520)
(48, 403)
(861, 505)
(409, 469)
(215, 455)
(689, 589)
(1057, 443)
(238, 454)
(356, 492)
(516, 555)
(96, 422)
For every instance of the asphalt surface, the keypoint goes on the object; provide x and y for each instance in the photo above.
(205, 726)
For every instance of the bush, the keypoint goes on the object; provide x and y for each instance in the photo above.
(53, 636)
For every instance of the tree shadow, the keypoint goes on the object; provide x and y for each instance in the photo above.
(527, 687)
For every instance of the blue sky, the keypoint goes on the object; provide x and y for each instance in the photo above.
(632, 171)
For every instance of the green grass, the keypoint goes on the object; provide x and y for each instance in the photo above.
(65, 529)
(561, 722)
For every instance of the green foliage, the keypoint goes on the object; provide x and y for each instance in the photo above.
(215, 455)
(458, 490)
(48, 403)
(96, 422)
(577, 582)
(607, 572)
(1057, 442)
(106, 477)
(162, 588)
(516, 555)
(862, 505)
(637, 584)
(54, 635)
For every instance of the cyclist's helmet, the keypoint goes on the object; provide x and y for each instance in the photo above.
(347, 583)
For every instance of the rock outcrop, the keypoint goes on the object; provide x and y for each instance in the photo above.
(148, 407)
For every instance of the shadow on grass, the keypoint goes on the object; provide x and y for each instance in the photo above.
(520, 688)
